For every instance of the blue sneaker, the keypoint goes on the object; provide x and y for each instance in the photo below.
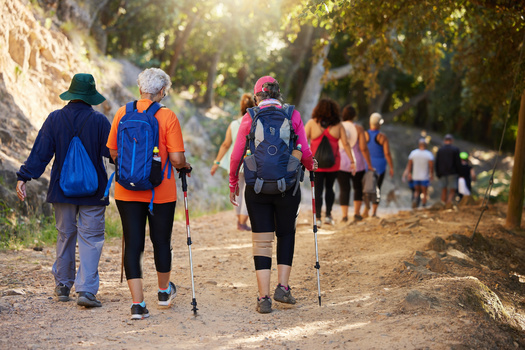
(165, 299)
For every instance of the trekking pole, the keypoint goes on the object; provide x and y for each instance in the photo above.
(317, 266)
(182, 176)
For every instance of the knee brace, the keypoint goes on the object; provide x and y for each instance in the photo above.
(262, 244)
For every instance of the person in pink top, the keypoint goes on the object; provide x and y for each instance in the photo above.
(270, 213)
(326, 121)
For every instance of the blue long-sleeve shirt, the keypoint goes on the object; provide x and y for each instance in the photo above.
(53, 140)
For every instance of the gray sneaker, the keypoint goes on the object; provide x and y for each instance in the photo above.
(166, 299)
(87, 299)
(264, 305)
(283, 294)
(62, 292)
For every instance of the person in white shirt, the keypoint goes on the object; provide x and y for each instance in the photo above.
(420, 171)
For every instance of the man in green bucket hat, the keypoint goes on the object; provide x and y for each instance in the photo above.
(81, 217)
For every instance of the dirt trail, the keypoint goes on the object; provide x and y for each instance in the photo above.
(381, 289)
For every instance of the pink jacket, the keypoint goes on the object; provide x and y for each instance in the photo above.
(240, 142)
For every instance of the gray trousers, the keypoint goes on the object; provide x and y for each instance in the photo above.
(88, 223)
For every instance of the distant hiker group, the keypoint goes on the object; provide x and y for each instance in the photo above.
(266, 152)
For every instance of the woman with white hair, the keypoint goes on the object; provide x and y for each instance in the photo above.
(380, 156)
(133, 205)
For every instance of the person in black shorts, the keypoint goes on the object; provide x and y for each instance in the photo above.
(270, 214)
(448, 166)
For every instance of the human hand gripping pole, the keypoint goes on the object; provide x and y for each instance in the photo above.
(182, 175)
(317, 266)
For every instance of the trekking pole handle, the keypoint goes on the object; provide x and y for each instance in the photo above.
(312, 175)
(182, 176)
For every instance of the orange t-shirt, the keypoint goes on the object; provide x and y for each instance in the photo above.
(170, 140)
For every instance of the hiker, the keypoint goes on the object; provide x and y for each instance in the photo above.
(270, 213)
(153, 85)
(81, 217)
(379, 148)
(420, 171)
(448, 166)
(356, 137)
(326, 124)
(466, 176)
(223, 160)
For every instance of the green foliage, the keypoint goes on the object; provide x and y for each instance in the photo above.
(19, 232)
(500, 187)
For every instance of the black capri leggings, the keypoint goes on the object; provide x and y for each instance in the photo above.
(324, 181)
(274, 213)
(343, 179)
(133, 216)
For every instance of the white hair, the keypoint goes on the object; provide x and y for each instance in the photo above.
(152, 80)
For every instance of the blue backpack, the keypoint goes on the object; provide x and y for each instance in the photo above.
(78, 176)
(137, 136)
(269, 165)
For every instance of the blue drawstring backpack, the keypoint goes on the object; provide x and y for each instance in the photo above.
(78, 177)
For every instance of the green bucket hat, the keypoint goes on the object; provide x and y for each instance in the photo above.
(83, 88)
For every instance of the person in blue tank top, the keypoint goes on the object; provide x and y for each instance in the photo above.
(380, 156)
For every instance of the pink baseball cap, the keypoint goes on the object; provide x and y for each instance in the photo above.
(259, 84)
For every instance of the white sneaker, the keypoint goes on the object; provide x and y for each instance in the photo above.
(328, 220)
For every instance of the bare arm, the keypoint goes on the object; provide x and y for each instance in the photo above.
(363, 146)
(113, 154)
(222, 150)
(178, 160)
(431, 169)
(346, 146)
(408, 170)
(388, 156)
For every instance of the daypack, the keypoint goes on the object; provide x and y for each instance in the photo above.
(269, 165)
(78, 177)
(137, 136)
(371, 192)
(324, 153)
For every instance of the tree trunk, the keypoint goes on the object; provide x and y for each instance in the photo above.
(517, 183)
(313, 87)
(302, 49)
(209, 100)
(179, 43)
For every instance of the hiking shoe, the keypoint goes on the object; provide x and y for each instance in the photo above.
(87, 299)
(264, 305)
(165, 299)
(62, 292)
(283, 294)
(318, 221)
(243, 227)
(358, 217)
(344, 219)
(139, 312)
(328, 220)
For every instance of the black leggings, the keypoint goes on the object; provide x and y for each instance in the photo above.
(133, 216)
(274, 213)
(344, 178)
(324, 180)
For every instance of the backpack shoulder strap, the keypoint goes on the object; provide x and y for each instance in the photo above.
(253, 111)
(288, 109)
(131, 106)
(154, 108)
(82, 127)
